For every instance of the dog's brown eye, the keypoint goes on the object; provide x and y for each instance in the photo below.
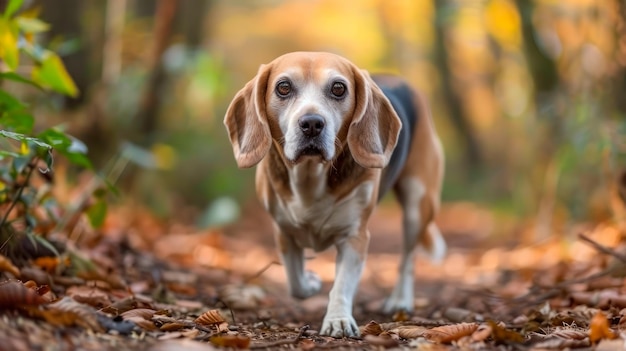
(338, 89)
(283, 89)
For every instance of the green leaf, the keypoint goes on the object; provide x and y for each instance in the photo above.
(4, 154)
(8, 102)
(56, 138)
(18, 78)
(51, 74)
(97, 213)
(36, 239)
(31, 25)
(111, 188)
(9, 51)
(20, 163)
(48, 159)
(73, 149)
(17, 121)
(12, 7)
(100, 193)
(78, 159)
(22, 137)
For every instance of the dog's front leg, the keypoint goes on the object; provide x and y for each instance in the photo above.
(351, 253)
(302, 283)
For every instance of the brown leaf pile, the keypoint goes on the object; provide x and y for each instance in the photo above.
(123, 296)
(449, 333)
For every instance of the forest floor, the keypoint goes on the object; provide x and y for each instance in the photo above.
(143, 284)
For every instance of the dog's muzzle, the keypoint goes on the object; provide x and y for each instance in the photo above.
(311, 125)
(311, 143)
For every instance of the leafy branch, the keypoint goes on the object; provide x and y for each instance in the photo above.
(25, 61)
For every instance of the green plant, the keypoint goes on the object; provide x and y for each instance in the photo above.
(27, 205)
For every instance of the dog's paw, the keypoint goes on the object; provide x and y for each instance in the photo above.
(311, 285)
(339, 327)
(398, 302)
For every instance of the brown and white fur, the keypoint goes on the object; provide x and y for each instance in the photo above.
(328, 143)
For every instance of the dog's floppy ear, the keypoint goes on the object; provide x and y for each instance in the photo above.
(246, 121)
(375, 126)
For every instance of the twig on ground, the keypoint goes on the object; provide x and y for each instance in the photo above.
(232, 314)
(602, 248)
(302, 330)
(261, 271)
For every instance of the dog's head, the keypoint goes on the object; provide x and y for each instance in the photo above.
(311, 104)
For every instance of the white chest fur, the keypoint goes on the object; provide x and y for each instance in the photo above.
(315, 217)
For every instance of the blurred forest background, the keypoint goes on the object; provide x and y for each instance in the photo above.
(528, 96)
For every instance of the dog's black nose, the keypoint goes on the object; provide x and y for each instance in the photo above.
(311, 125)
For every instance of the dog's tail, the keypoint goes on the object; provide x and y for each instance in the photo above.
(433, 243)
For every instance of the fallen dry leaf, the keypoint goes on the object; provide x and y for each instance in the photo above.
(47, 263)
(569, 333)
(145, 313)
(66, 312)
(14, 294)
(142, 323)
(448, 333)
(89, 295)
(410, 331)
(371, 328)
(306, 344)
(482, 332)
(7, 266)
(234, 341)
(384, 341)
(31, 284)
(599, 328)
(190, 333)
(501, 334)
(172, 326)
(39, 289)
(112, 279)
(121, 306)
(210, 317)
(400, 316)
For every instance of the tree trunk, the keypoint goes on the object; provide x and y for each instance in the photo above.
(465, 130)
(67, 25)
(190, 21)
(542, 68)
(149, 105)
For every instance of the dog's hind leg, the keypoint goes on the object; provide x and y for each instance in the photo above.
(417, 213)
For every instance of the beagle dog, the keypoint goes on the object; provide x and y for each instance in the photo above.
(330, 141)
